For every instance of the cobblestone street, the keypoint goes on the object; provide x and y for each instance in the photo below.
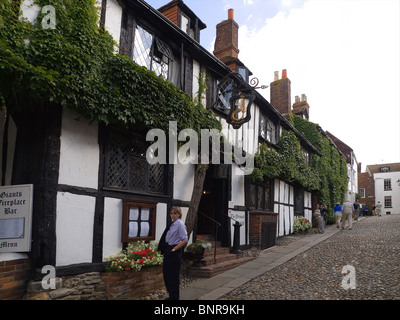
(372, 247)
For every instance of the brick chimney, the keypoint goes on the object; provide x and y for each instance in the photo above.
(281, 93)
(301, 107)
(227, 42)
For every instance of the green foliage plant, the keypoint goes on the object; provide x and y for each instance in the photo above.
(75, 65)
(326, 174)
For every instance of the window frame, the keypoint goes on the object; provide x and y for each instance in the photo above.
(126, 206)
(387, 184)
(250, 193)
(388, 202)
(110, 147)
(156, 56)
(268, 130)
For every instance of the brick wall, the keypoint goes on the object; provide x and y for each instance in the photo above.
(365, 182)
(255, 226)
(14, 276)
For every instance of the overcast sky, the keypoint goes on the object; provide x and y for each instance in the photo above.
(343, 54)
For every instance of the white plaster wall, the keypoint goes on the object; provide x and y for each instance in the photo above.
(113, 225)
(74, 228)
(113, 19)
(380, 193)
(237, 188)
(284, 194)
(307, 204)
(29, 10)
(183, 181)
(79, 159)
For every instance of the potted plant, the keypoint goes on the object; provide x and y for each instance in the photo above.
(301, 225)
(196, 250)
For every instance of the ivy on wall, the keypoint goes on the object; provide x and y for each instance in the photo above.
(75, 65)
(327, 175)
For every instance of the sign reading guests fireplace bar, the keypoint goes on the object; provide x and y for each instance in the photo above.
(138, 221)
(16, 218)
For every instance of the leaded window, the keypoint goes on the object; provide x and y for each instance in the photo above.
(151, 52)
(259, 196)
(127, 167)
(268, 129)
(224, 94)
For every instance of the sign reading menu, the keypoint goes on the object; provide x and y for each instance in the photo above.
(16, 218)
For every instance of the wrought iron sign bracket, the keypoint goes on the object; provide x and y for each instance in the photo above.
(242, 97)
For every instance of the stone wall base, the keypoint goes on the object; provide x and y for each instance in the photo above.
(127, 285)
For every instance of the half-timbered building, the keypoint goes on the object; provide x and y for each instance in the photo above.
(94, 191)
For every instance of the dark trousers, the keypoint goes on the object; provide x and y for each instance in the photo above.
(171, 271)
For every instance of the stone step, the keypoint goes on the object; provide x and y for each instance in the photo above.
(212, 270)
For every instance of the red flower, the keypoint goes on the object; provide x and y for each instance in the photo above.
(141, 261)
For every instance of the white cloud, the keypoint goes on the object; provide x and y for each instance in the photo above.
(344, 55)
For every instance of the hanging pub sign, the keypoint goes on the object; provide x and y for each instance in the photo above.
(235, 98)
(16, 218)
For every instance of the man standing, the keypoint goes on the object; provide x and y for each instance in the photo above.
(347, 214)
(338, 214)
(378, 209)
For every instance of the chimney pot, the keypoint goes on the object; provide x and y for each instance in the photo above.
(231, 14)
(303, 98)
(276, 75)
(296, 99)
(284, 74)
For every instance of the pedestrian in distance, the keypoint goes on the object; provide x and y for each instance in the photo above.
(365, 208)
(338, 214)
(373, 210)
(347, 214)
(318, 219)
(378, 209)
(356, 210)
(175, 240)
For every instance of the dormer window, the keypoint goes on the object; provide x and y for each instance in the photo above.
(244, 72)
(186, 26)
(384, 169)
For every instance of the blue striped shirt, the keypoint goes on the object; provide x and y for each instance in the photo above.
(176, 233)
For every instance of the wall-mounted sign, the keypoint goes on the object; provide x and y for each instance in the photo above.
(16, 218)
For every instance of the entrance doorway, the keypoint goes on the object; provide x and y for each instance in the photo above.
(214, 204)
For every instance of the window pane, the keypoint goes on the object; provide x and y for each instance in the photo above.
(260, 198)
(133, 213)
(145, 214)
(144, 229)
(267, 204)
(133, 230)
(142, 47)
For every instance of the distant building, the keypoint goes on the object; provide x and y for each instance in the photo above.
(386, 179)
(366, 188)
(352, 164)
